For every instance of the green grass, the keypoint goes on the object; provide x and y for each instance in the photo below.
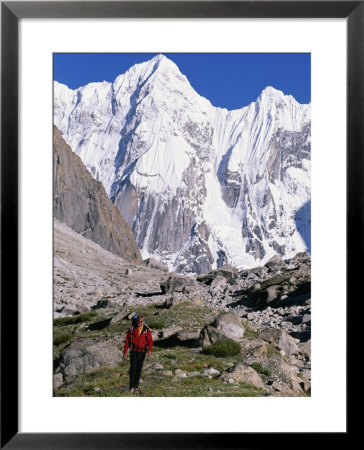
(272, 351)
(79, 318)
(260, 369)
(62, 338)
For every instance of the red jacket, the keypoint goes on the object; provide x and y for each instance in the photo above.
(139, 342)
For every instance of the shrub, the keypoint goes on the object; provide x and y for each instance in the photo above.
(223, 348)
(260, 369)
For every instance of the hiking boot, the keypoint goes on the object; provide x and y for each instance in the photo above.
(136, 391)
(132, 390)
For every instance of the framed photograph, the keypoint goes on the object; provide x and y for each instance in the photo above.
(140, 141)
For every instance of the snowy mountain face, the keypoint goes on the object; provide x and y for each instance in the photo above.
(200, 186)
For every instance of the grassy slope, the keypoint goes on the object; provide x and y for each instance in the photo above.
(114, 381)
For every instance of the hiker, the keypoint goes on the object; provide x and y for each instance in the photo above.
(138, 339)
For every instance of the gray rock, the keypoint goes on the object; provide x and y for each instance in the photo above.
(300, 258)
(306, 318)
(211, 372)
(280, 338)
(285, 377)
(275, 263)
(209, 335)
(229, 325)
(81, 202)
(218, 282)
(180, 373)
(242, 373)
(154, 264)
(172, 301)
(225, 326)
(170, 331)
(85, 355)
(305, 349)
(176, 283)
(228, 272)
(118, 318)
(57, 380)
(105, 304)
(253, 347)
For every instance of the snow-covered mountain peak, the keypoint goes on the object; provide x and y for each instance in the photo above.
(276, 96)
(201, 186)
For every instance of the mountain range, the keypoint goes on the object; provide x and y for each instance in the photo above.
(199, 185)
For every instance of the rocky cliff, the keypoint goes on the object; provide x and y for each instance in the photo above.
(82, 203)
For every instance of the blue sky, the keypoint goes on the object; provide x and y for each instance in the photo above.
(228, 80)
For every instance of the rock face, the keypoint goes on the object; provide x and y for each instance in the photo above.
(199, 185)
(82, 204)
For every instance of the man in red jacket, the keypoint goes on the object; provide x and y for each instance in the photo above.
(138, 338)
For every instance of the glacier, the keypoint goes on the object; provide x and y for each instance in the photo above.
(200, 186)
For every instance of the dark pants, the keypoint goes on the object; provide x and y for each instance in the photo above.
(136, 364)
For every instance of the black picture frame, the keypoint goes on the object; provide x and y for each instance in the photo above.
(11, 12)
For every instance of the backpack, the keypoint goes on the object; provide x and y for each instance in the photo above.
(134, 325)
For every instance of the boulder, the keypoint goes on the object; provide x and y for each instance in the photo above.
(225, 326)
(176, 283)
(228, 272)
(242, 373)
(154, 367)
(218, 283)
(154, 264)
(118, 318)
(259, 272)
(104, 303)
(170, 331)
(275, 263)
(305, 349)
(211, 372)
(300, 258)
(57, 380)
(285, 376)
(180, 373)
(263, 297)
(209, 335)
(86, 355)
(253, 347)
(280, 338)
(306, 318)
(71, 309)
(172, 301)
(229, 325)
